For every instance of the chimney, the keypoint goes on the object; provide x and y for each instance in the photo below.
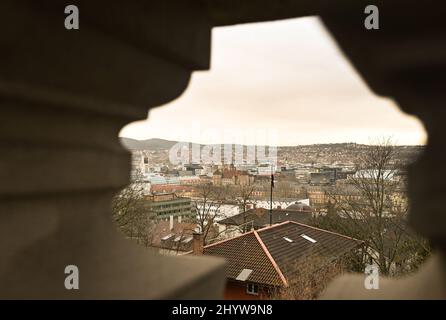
(197, 246)
(171, 223)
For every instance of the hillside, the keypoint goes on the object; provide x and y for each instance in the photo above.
(149, 144)
(316, 153)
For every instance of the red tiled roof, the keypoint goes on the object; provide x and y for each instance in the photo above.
(289, 255)
(246, 252)
(169, 188)
(180, 230)
(260, 217)
(275, 252)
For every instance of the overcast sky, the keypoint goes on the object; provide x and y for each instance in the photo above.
(282, 82)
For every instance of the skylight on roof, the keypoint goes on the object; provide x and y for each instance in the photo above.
(287, 239)
(167, 237)
(243, 276)
(308, 238)
(187, 240)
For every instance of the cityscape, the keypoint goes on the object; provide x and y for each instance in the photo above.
(222, 158)
(332, 208)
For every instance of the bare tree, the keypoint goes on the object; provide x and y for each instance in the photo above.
(284, 189)
(243, 195)
(132, 213)
(372, 206)
(207, 203)
(310, 278)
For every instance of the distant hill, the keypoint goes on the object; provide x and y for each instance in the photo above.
(161, 144)
(328, 153)
(149, 144)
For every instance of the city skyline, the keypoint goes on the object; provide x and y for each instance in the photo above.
(286, 79)
(372, 142)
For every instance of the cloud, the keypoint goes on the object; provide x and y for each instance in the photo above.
(287, 76)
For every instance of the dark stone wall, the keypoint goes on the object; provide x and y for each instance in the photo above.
(65, 95)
